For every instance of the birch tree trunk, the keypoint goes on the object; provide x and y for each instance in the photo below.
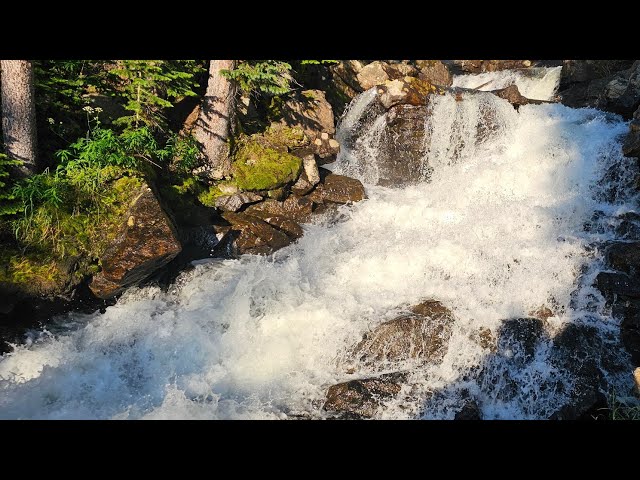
(19, 113)
(215, 122)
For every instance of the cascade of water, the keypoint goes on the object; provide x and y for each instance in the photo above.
(497, 232)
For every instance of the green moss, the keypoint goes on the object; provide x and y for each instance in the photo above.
(31, 273)
(261, 168)
(76, 232)
(209, 196)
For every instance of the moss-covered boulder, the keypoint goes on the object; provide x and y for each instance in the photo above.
(264, 162)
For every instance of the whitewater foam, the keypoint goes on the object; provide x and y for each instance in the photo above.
(494, 235)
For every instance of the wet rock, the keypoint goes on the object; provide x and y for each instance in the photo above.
(622, 93)
(581, 71)
(614, 283)
(434, 72)
(253, 235)
(147, 241)
(416, 336)
(630, 333)
(378, 72)
(402, 147)
(470, 411)
(485, 339)
(514, 97)
(362, 398)
(518, 338)
(542, 313)
(337, 189)
(631, 145)
(624, 256)
(233, 203)
(405, 91)
(298, 209)
(581, 351)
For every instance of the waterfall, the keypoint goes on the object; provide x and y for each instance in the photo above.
(497, 232)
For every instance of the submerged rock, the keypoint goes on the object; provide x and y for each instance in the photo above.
(148, 241)
(402, 146)
(421, 335)
(470, 411)
(362, 398)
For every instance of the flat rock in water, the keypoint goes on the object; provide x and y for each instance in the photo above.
(336, 188)
(362, 398)
(512, 95)
(148, 240)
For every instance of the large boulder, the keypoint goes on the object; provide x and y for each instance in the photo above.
(420, 335)
(363, 397)
(148, 240)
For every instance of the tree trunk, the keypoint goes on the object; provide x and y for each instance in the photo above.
(19, 113)
(215, 122)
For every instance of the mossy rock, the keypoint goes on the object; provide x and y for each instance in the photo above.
(31, 274)
(263, 162)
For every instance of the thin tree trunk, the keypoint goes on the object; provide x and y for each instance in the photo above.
(19, 113)
(214, 124)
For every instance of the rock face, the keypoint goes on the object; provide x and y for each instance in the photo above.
(362, 398)
(310, 112)
(421, 335)
(147, 242)
(613, 86)
(345, 77)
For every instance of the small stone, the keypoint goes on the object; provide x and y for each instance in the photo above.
(333, 143)
(131, 221)
(311, 169)
(233, 203)
(317, 141)
(324, 136)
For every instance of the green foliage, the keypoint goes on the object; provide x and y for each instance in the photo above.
(147, 86)
(184, 153)
(8, 203)
(208, 197)
(623, 408)
(265, 76)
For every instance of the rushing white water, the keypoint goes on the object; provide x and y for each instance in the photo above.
(494, 235)
(535, 83)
